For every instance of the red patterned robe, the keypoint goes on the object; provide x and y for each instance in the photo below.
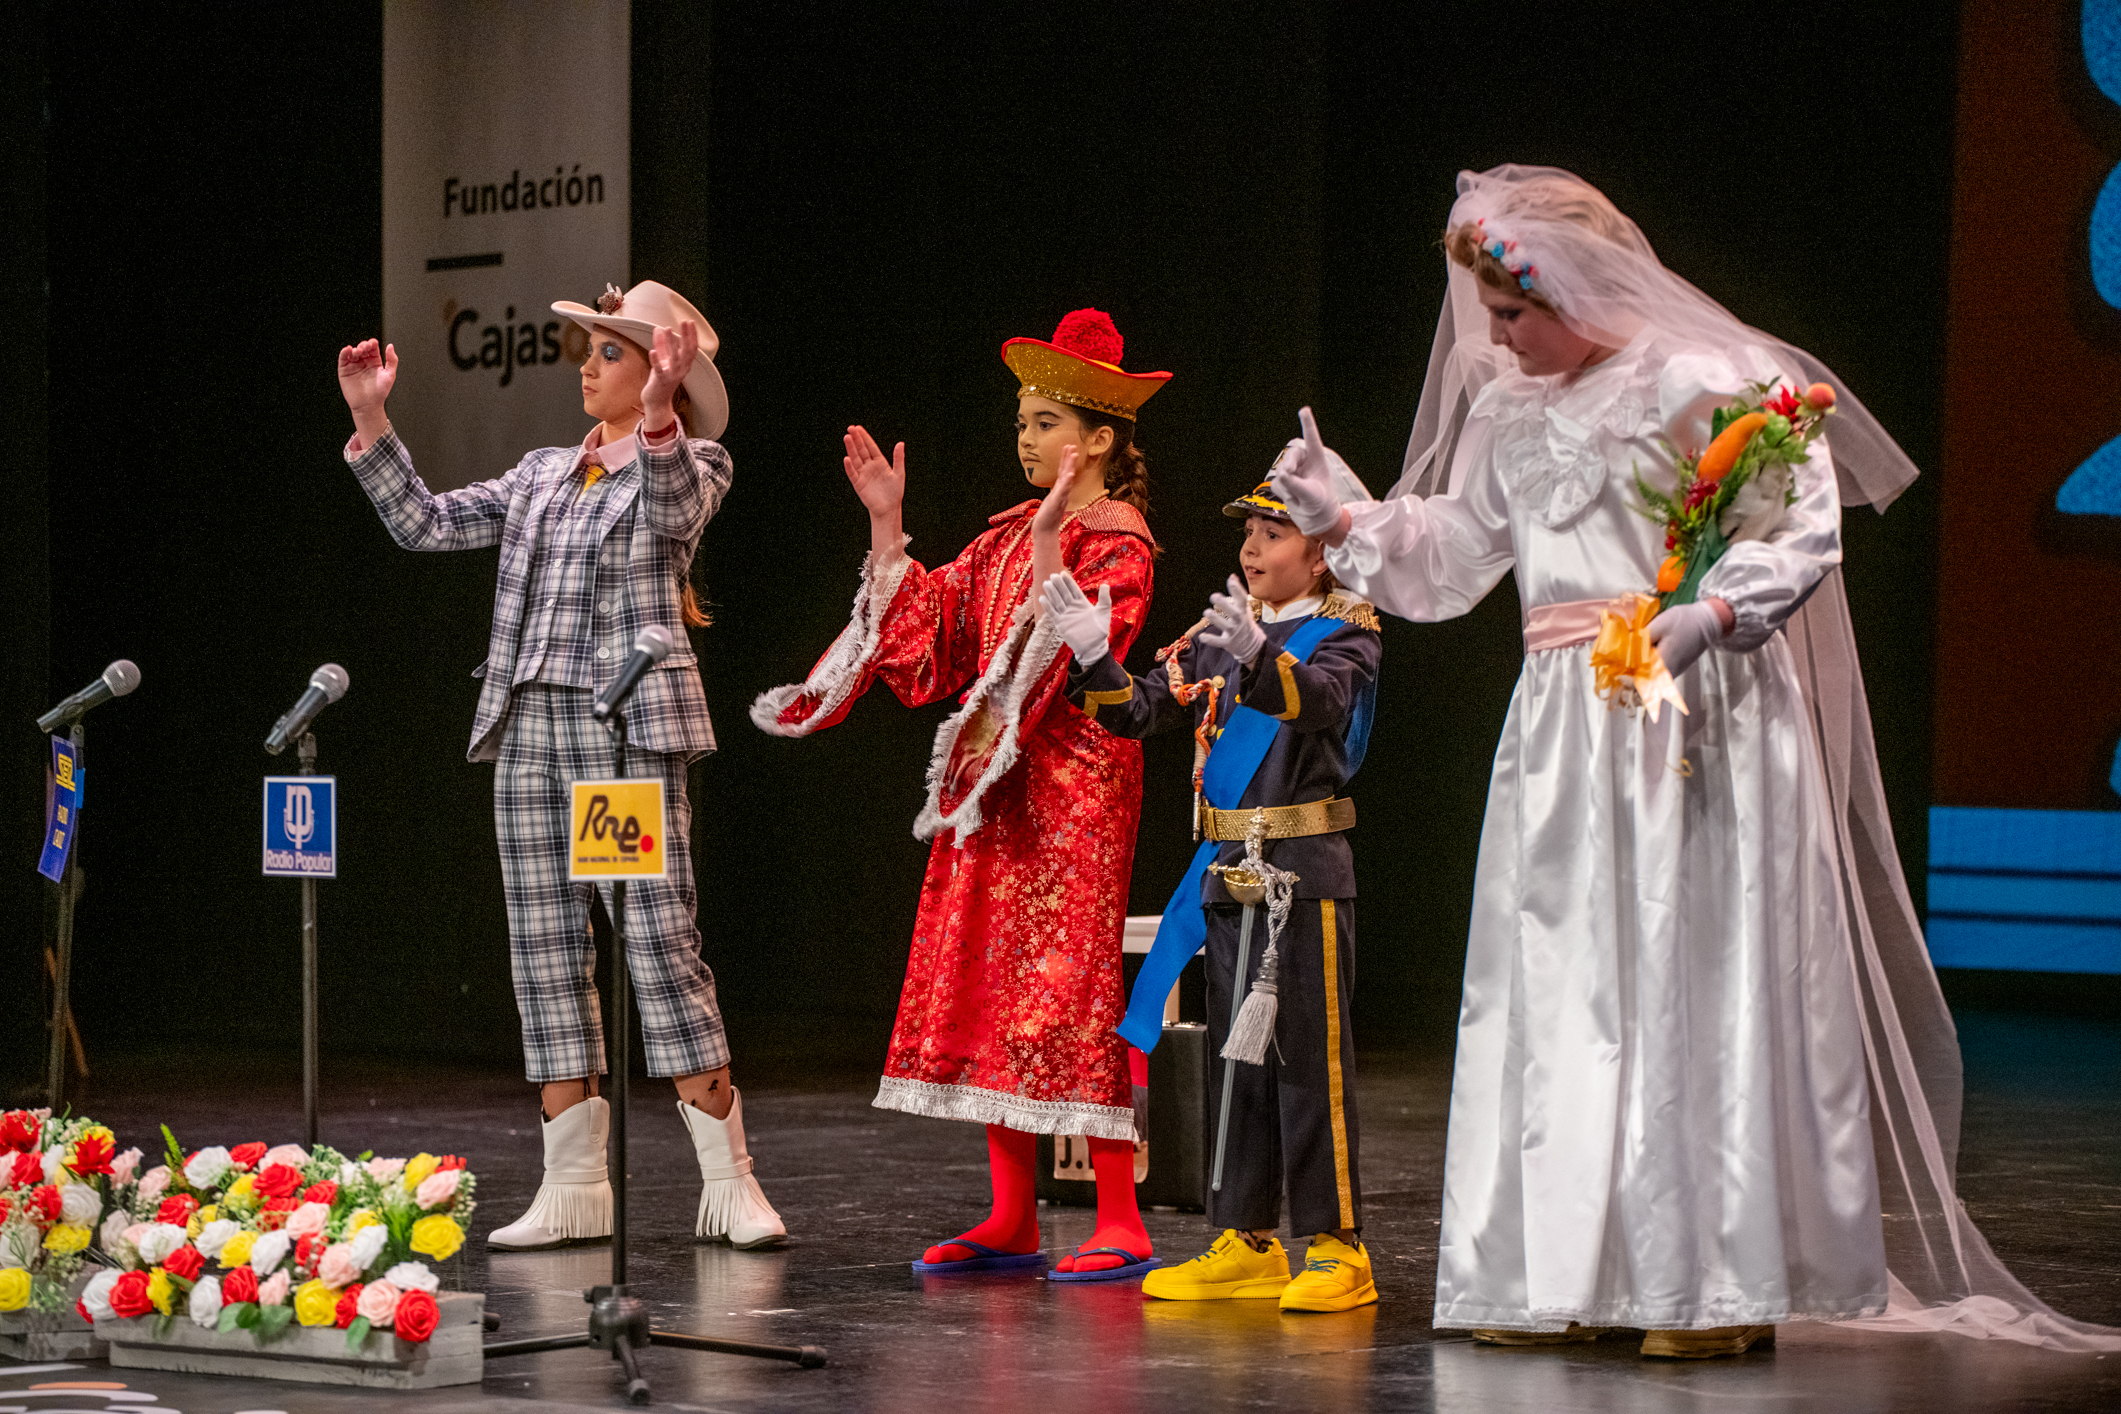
(1013, 986)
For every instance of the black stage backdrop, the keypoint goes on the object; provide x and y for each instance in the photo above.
(867, 200)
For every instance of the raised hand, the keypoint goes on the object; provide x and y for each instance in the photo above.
(1047, 520)
(1303, 480)
(367, 372)
(881, 484)
(1231, 626)
(1085, 627)
(668, 362)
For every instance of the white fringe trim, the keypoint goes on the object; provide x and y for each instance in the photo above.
(1015, 669)
(840, 671)
(969, 1102)
(571, 1209)
(730, 1206)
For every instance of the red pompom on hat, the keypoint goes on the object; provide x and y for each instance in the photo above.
(1080, 366)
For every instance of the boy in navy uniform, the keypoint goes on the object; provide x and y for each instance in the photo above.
(1292, 1119)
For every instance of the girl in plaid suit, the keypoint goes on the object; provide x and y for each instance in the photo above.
(596, 544)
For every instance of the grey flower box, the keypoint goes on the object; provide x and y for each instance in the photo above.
(313, 1355)
(48, 1335)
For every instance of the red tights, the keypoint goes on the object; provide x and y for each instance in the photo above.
(1013, 1225)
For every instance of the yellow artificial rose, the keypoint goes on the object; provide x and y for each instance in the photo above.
(237, 1250)
(316, 1304)
(66, 1237)
(240, 1190)
(159, 1289)
(208, 1214)
(418, 1168)
(438, 1237)
(360, 1218)
(14, 1289)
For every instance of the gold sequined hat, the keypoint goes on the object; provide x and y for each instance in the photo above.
(1260, 502)
(1080, 367)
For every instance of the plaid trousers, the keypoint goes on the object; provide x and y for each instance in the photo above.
(549, 741)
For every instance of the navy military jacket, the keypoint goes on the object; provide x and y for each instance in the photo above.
(1314, 700)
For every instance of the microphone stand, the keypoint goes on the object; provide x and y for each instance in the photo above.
(618, 1322)
(70, 885)
(306, 754)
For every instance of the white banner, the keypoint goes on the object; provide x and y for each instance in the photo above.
(506, 145)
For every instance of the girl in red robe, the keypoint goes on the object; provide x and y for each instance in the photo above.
(1013, 987)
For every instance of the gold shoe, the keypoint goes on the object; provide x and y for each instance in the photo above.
(1574, 1335)
(1336, 1277)
(1708, 1344)
(1228, 1270)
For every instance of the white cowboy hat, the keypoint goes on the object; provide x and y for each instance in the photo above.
(636, 313)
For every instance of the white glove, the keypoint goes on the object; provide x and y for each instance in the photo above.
(1683, 633)
(1303, 479)
(1085, 627)
(1231, 626)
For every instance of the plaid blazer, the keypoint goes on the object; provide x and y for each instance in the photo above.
(651, 521)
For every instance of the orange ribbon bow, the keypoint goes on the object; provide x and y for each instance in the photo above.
(1629, 672)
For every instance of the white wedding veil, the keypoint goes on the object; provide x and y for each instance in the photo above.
(1597, 271)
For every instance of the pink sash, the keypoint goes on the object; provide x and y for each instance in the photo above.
(1552, 626)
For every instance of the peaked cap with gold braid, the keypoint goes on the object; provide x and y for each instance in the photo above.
(1080, 367)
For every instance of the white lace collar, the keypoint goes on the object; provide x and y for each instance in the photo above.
(1550, 435)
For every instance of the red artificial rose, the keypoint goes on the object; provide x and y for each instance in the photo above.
(349, 1306)
(83, 1309)
(92, 1154)
(28, 1171)
(1783, 401)
(128, 1295)
(308, 1247)
(243, 1156)
(279, 1181)
(275, 1213)
(43, 1204)
(449, 1161)
(239, 1285)
(184, 1262)
(416, 1316)
(177, 1209)
(18, 1130)
(7, 1205)
(325, 1191)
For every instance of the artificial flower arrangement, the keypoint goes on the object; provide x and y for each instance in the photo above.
(1737, 488)
(59, 1178)
(261, 1239)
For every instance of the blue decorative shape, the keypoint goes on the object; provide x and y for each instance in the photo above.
(2094, 489)
(2114, 777)
(2106, 240)
(2102, 45)
(2025, 890)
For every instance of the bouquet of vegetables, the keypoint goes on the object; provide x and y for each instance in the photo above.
(1739, 487)
(292, 1234)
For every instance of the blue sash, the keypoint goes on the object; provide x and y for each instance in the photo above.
(1228, 771)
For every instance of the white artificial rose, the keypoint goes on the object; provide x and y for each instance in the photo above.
(214, 1236)
(79, 1203)
(1757, 510)
(206, 1302)
(207, 1167)
(18, 1243)
(158, 1242)
(54, 1158)
(266, 1252)
(367, 1245)
(97, 1297)
(348, 1172)
(113, 1236)
(412, 1276)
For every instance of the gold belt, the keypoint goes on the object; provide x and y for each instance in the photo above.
(1279, 822)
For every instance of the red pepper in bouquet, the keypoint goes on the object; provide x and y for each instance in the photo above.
(1754, 443)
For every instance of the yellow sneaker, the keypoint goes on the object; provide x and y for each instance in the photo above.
(1228, 1270)
(1336, 1277)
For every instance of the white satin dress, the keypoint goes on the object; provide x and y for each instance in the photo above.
(1659, 1114)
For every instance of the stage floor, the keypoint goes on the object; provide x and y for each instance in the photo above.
(863, 1191)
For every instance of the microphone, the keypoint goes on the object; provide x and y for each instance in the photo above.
(326, 686)
(651, 648)
(118, 679)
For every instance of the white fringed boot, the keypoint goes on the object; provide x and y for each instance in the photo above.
(574, 1201)
(732, 1206)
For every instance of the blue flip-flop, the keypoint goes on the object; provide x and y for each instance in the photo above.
(986, 1260)
(1133, 1266)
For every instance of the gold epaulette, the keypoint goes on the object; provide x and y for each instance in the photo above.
(1348, 609)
